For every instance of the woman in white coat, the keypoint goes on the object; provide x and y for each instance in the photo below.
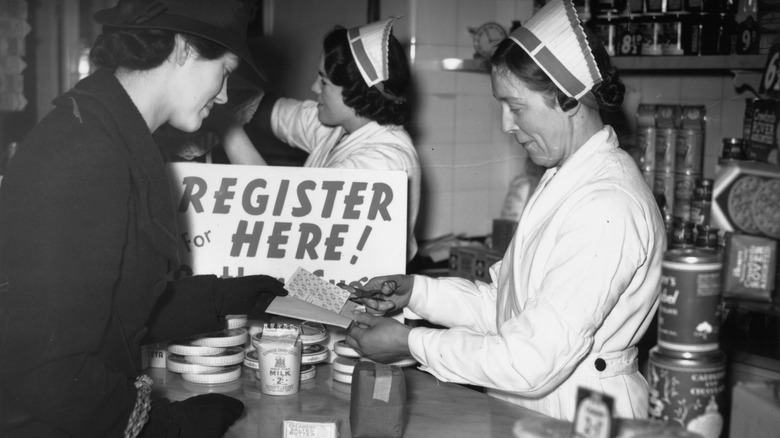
(356, 122)
(579, 284)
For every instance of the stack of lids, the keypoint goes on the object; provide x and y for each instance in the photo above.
(213, 358)
(348, 357)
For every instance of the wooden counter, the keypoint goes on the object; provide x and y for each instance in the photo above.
(436, 409)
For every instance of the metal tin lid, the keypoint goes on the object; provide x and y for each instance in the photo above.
(308, 372)
(313, 332)
(188, 348)
(231, 356)
(180, 364)
(342, 349)
(222, 376)
(684, 258)
(314, 353)
(226, 338)
(342, 377)
(252, 361)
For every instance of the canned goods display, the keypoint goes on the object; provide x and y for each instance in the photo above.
(682, 234)
(689, 312)
(665, 149)
(690, 392)
(701, 204)
(645, 141)
(683, 195)
(663, 185)
(688, 151)
(652, 35)
(733, 149)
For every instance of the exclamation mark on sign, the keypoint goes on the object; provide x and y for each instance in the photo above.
(361, 244)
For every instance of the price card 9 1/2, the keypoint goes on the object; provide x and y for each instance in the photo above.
(770, 80)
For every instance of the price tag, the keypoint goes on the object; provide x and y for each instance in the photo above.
(594, 415)
(770, 81)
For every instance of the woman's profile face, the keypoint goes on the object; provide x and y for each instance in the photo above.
(331, 109)
(199, 85)
(544, 131)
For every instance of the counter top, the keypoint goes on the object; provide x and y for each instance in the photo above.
(436, 409)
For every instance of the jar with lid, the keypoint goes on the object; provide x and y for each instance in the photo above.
(701, 203)
(652, 34)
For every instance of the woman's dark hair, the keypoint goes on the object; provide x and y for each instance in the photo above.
(368, 102)
(608, 93)
(143, 49)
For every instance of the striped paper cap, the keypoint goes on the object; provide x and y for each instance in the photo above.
(369, 45)
(555, 40)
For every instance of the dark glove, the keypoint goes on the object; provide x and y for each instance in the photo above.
(202, 416)
(249, 295)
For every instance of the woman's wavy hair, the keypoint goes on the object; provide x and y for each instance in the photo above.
(608, 93)
(144, 49)
(368, 102)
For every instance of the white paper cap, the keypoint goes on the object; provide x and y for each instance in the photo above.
(369, 45)
(555, 40)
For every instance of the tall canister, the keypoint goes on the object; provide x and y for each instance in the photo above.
(689, 392)
(689, 311)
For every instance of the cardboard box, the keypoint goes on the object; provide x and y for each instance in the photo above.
(761, 145)
(473, 262)
(749, 267)
(746, 199)
(755, 410)
(503, 233)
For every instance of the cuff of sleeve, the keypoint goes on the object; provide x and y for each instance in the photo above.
(261, 120)
(418, 338)
(422, 286)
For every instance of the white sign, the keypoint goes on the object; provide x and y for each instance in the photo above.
(342, 225)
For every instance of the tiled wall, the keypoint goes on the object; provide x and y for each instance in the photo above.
(467, 161)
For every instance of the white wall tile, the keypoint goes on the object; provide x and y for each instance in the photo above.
(435, 119)
(472, 123)
(435, 217)
(437, 22)
(470, 212)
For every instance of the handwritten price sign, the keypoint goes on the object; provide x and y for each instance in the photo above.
(770, 81)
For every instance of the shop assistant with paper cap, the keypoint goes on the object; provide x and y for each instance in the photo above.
(579, 283)
(357, 120)
(88, 234)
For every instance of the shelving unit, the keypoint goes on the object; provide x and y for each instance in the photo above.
(656, 64)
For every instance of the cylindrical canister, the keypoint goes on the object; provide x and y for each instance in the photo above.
(684, 185)
(665, 149)
(663, 185)
(688, 152)
(689, 312)
(701, 204)
(645, 141)
(682, 234)
(652, 34)
(690, 392)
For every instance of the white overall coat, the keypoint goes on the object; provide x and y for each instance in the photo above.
(373, 147)
(578, 283)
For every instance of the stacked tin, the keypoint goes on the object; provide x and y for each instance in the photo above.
(687, 369)
(670, 139)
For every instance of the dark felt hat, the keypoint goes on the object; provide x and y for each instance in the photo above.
(221, 21)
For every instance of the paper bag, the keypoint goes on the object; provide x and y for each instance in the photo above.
(378, 403)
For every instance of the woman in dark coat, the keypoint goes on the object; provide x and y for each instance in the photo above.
(88, 234)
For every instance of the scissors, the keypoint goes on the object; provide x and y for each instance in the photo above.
(362, 293)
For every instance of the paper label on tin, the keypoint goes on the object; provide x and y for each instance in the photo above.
(593, 418)
(689, 393)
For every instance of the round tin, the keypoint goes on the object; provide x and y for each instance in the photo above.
(682, 234)
(308, 372)
(251, 360)
(733, 149)
(688, 153)
(314, 353)
(689, 311)
(683, 195)
(313, 333)
(665, 149)
(689, 392)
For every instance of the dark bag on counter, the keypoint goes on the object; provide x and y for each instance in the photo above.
(378, 404)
